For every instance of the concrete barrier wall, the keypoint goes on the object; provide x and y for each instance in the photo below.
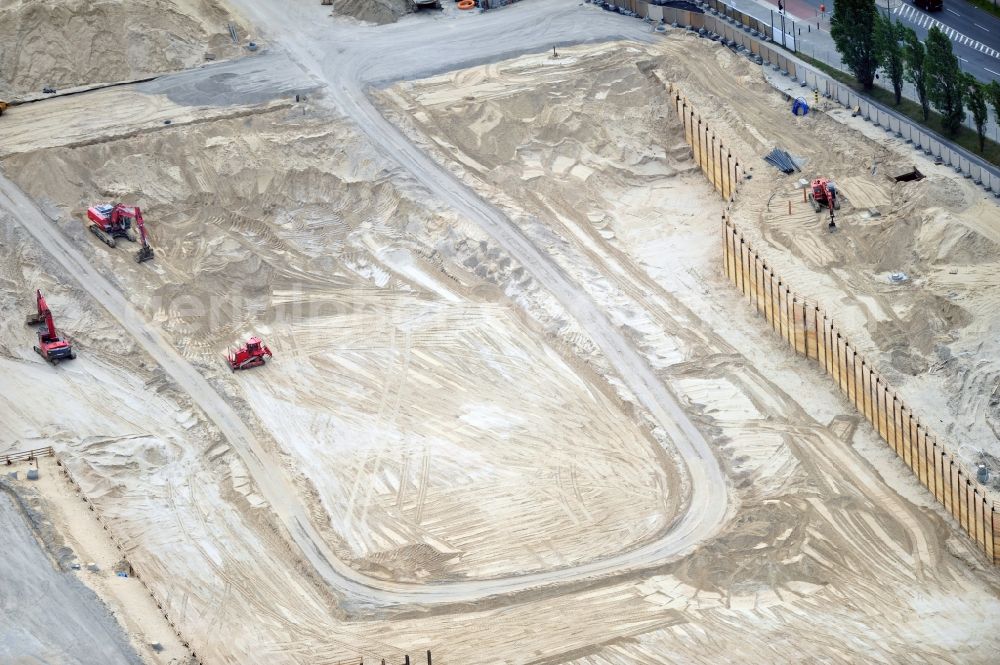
(975, 168)
(810, 332)
(757, 37)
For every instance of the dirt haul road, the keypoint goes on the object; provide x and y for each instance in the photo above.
(344, 62)
(528, 30)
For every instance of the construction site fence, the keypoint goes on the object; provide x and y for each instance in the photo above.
(398, 658)
(743, 31)
(124, 551)
(810, 332)
(26, 455)
(722, 19)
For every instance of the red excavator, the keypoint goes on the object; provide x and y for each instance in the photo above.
(249, 355)
(108, 222)
(824, 193)
(51, 346)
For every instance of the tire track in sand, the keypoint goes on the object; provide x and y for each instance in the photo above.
(537, 27)
(345, 67)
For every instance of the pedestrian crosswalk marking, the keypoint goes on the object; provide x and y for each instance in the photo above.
(922, 20)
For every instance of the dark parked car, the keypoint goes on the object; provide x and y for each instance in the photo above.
(929, 5)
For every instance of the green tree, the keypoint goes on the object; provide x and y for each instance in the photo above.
(915, 55)
(944, 81)
(992, 92)
(889, 49)
(975, 94)
(853, 30)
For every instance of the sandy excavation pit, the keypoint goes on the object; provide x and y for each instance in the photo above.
(391, 395)
(446, 424)
(69, 44)
(139, 450)
(911, 273)
(582, 152)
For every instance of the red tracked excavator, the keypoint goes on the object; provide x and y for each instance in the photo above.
(824, 193)
(249, 355)
(108, 222)
(51, 346)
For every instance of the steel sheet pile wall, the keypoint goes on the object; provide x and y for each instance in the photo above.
(717, 162)
(811, 333)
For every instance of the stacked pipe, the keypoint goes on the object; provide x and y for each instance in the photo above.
(782, 161)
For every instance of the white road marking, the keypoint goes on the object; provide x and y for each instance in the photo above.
(991, 71)
(924, 20)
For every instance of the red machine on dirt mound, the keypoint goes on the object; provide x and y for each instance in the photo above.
(108, 222)
(51, 346)
(824, 193)
(249, 355)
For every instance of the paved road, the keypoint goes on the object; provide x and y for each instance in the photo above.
(49, 616)
(347, 59)
(975, 34)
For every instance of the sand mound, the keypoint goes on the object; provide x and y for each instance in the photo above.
(374, 11)
(287, 225)
(76, 42)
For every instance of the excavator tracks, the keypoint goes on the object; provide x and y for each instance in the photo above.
(105, 238)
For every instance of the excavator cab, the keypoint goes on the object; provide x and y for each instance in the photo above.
(818, 194)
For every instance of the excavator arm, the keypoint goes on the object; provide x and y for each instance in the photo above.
(44, 315)
(145, 252)
(831, 203)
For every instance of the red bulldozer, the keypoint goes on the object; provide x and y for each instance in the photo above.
(824, 193)
(51, 346)
(108, 222)
(249, 355)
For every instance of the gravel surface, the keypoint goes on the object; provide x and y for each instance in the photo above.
(47, 615)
